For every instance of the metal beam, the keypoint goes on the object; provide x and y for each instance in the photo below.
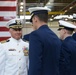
(57, 4)
(50, 13)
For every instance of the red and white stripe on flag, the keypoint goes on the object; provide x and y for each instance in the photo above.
(7, 12)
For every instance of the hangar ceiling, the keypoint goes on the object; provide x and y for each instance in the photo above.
(67, 7)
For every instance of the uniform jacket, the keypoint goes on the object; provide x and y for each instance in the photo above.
(68, 57)
(74, 36)
(16, 59)
(44, 52)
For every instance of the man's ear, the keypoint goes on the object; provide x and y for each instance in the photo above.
(65, 31)
(35, 18)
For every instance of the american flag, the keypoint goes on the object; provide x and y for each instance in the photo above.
(7, 12)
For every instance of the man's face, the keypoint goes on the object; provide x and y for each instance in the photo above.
(61, 33)
(16, 33)
(74, 22)
(34, 22)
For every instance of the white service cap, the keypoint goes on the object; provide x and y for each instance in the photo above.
(66, 25)
(38, 10)
(33, 9)
(14, 23)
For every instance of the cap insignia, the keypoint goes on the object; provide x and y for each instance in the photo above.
(18, 22)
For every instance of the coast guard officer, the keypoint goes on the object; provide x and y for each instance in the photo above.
(16, 50)
(44, 45)
(74, 22)
(68, 50)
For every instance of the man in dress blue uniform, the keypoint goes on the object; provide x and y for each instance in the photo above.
(44, 48)
(74, 22)
(15, 50)
(68, 50)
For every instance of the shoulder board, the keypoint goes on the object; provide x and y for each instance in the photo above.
(25, 40)
(4, 41)
(7, 40)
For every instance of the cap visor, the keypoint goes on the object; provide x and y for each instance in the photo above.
(59, 29)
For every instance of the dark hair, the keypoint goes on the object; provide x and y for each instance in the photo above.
(73, 20)
(69, 30)
(43, 17)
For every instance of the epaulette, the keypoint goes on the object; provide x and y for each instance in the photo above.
(4, 41)
(7, 40)
(25, 40)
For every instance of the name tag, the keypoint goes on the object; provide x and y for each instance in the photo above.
(12, 49)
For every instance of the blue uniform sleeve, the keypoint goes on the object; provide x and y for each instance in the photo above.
(26, 37)
(65, 60)
(35, 54)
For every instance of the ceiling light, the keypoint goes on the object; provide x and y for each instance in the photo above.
(66, 19)
(21, 7)
(51, 19)
(71, 7)
(52, 15)
(65, 10)
(21, 10)
(21, 3)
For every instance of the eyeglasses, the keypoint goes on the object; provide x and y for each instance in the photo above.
(17, 29)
